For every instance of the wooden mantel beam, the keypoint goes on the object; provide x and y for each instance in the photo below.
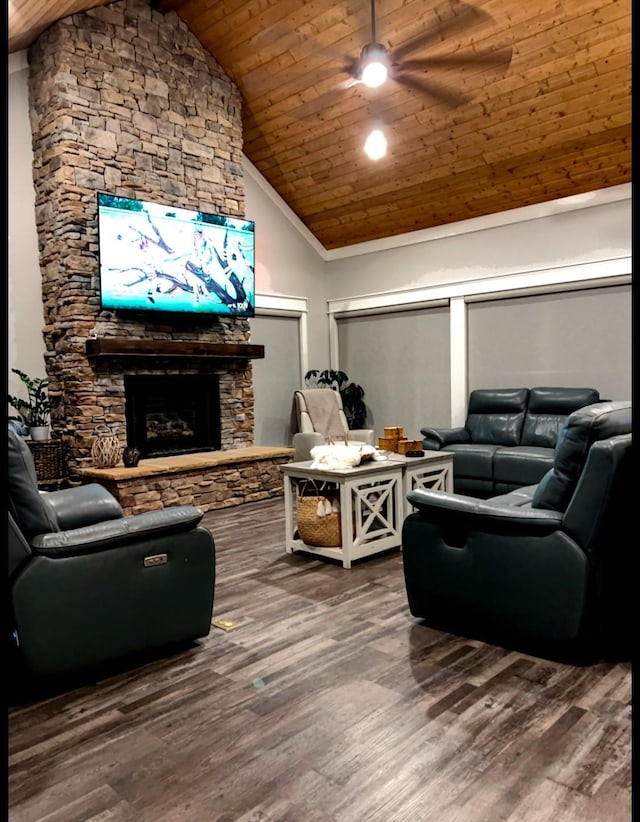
(179, 349)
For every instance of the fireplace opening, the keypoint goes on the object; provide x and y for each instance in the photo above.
(171, 414)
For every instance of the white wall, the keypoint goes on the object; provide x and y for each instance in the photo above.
(25, 313)
(581, 229)
(289, 260)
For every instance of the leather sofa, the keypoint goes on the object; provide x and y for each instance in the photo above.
(88, 586)
(508, 437)
(546, 568)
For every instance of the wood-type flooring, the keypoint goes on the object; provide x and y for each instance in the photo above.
(328, 702)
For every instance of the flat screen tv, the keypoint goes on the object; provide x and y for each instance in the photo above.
(162, 258)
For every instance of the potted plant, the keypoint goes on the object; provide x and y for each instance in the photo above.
(35, 410)
(352, 394)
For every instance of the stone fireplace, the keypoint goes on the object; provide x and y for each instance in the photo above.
(125, 100)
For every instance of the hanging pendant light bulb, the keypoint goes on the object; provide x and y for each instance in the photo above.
(374, 74)
(374, 65)
(375, 145)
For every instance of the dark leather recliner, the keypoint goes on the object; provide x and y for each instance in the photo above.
(88, 586)
(546, 567)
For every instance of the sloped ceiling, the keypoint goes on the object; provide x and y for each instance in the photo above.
(468, 136)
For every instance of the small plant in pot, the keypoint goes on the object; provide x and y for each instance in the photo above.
(352, 394)
(36, 409)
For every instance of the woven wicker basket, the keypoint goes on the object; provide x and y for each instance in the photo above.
(314, 530)
(105, 451)
(48, 459)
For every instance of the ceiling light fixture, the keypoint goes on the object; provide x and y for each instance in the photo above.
(374, 65)
(375, 145)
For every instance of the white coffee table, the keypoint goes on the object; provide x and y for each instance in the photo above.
(373, 501)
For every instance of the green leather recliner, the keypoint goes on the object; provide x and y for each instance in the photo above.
(546, 568)
(88, 586)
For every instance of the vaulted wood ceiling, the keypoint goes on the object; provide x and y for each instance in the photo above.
(553, 121)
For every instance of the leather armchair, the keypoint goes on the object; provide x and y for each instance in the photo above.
(546, 567)
(88, 585)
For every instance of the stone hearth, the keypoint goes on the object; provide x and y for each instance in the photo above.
(213, 480)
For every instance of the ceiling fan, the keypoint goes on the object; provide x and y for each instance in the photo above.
(377, 63)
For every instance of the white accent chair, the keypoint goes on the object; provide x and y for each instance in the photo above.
(309, 434)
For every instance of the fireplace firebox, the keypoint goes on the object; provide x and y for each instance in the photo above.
(169, 414)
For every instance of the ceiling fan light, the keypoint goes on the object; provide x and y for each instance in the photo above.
(374, 74)
(375, 145)
(374, 62)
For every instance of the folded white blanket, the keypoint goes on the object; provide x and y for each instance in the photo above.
(339, 457)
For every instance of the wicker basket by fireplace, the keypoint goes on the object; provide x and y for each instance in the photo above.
(48, 458)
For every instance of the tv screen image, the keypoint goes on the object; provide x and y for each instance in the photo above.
(157, 257)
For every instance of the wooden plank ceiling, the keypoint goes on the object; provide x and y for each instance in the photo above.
(483, 137)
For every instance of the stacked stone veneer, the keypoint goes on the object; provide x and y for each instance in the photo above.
(243, 479)
(125, 100)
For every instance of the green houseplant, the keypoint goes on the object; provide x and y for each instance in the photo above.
(35, 410)
(352, 394)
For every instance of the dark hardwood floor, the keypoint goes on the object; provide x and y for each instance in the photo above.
(327, 703)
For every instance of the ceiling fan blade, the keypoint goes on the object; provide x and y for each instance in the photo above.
(285, 39)
(500, 59)
(460, 18)
(320, 107)
(347, 84)
(353, 68)
(430, 89)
